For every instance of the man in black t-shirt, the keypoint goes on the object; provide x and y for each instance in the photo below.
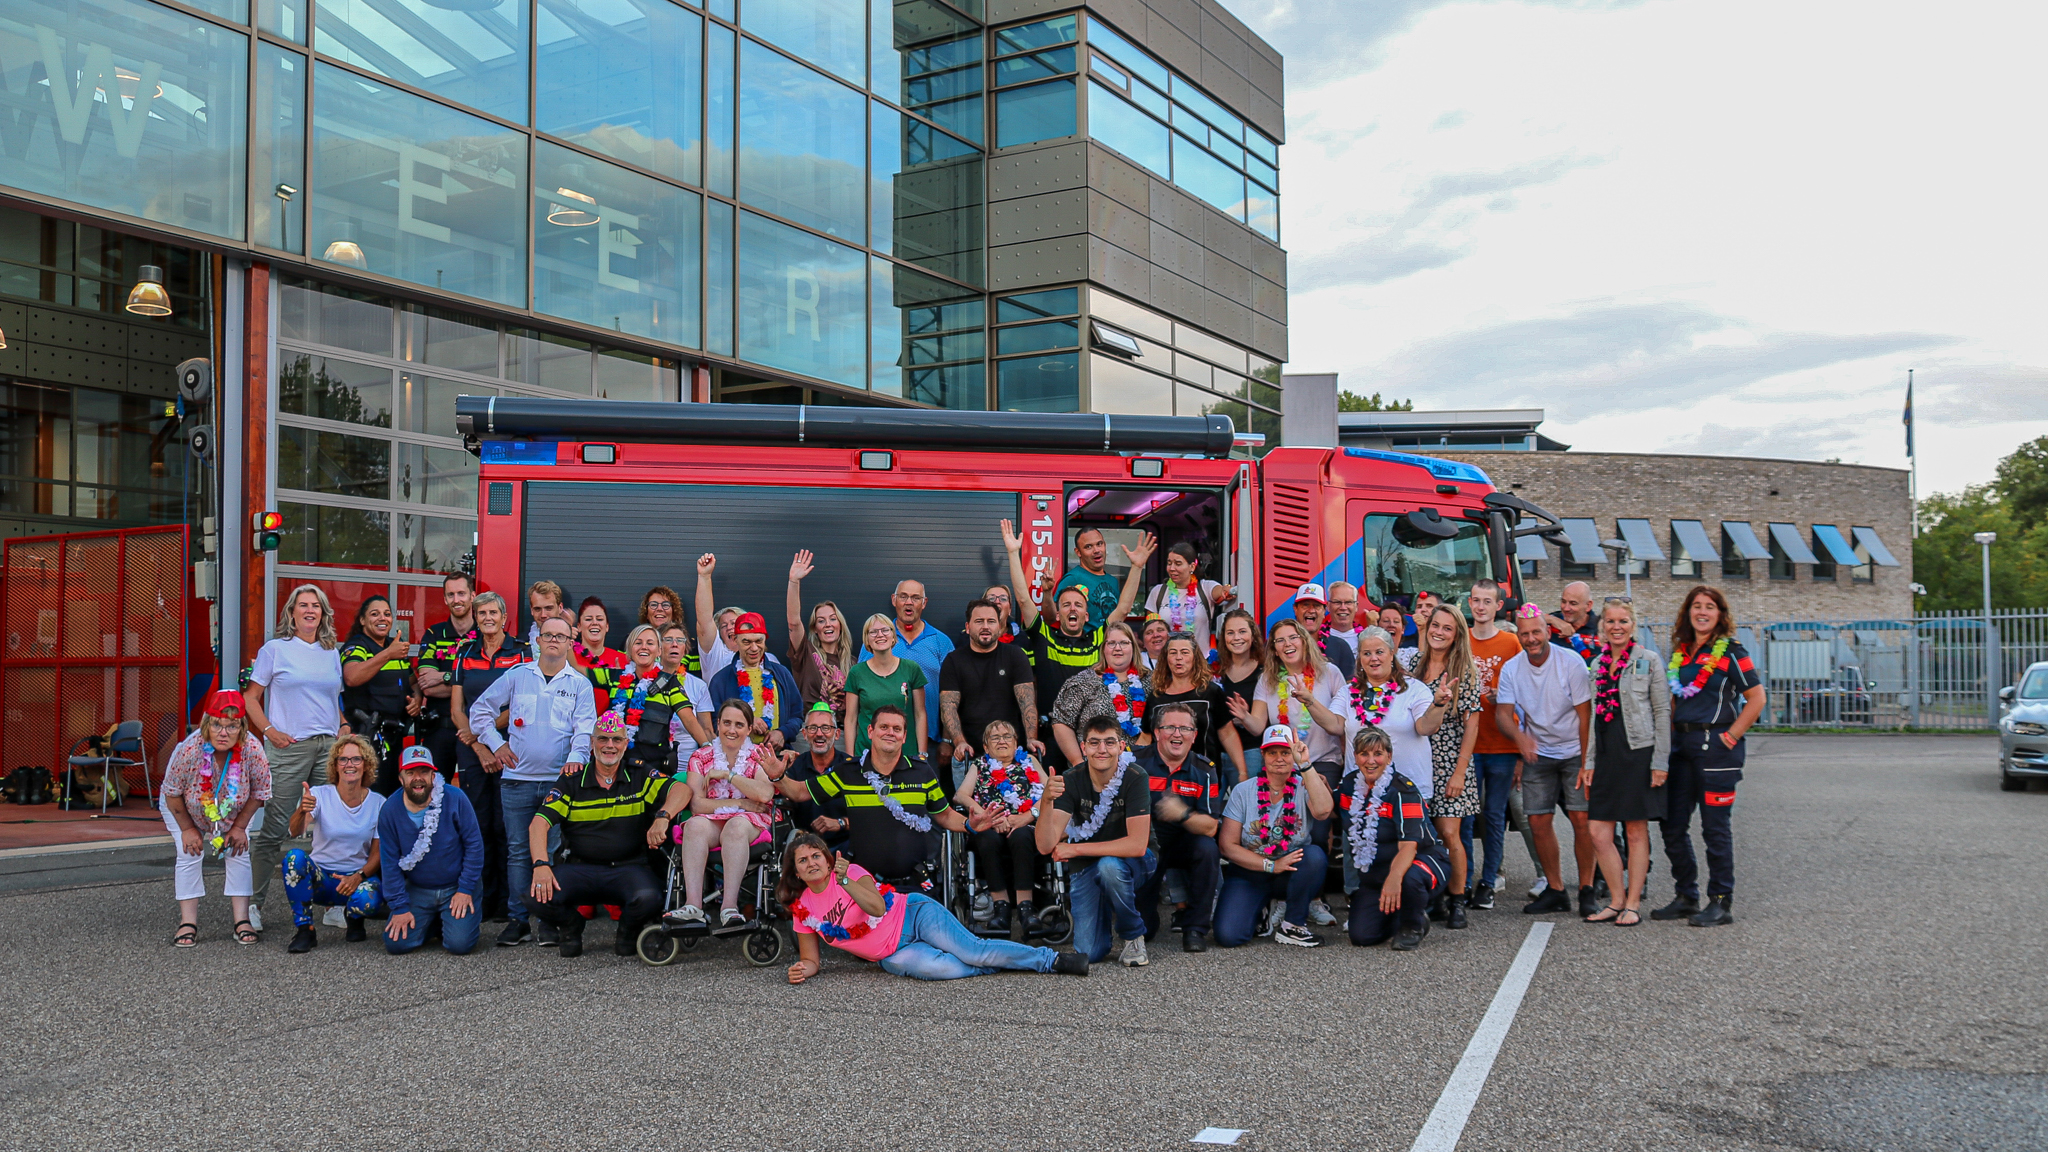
(1187, 804)
(983, 681)
(893, 806)
(1105, 847)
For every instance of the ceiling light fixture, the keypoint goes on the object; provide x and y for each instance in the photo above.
(346, 252)
(570, 215)
(148, 297)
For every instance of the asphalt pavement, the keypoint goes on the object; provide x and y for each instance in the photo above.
(1881, 989)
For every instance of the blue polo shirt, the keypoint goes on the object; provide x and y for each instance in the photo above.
(928, 652)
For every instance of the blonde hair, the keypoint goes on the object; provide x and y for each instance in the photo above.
(369, 758)
(868, 625)
(843, 658)
(324, 636)
(1312, 653)
(1137, 653)
(1625, 606)
(1458, 661)
(637, 630)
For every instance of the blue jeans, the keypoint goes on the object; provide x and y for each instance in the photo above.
(458, 934)
(1497, 793)
(521, 799)
(1245, 892)
(307, 884)
(935, 946)
(1106, 890)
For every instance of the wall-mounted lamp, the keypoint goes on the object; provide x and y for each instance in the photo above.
(148, 297)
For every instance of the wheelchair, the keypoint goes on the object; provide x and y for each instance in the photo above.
(764, 938)
(1049, 894)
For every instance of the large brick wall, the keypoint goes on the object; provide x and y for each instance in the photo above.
(1710, 489)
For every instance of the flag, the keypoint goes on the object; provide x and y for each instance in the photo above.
(1907, 419)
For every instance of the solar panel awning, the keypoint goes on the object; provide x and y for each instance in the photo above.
(1835, 545)
(1871, 544)
(1794, 544)
(1585, 538)
(1693, 535)
(1531, 547)
(1641, 538)
(1744, 538)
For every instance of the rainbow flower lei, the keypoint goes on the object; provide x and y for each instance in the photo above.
(757, 685)
(1717, 657)
(1285, 714)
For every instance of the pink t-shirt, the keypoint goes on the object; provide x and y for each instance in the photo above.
(834, 915)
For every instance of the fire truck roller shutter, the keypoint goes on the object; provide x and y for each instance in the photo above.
(615, 541)
(618, 420)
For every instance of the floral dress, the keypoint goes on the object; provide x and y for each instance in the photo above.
(1443, 751)
(190, 778)
(751, 763)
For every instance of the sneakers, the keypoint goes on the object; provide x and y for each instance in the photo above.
(1537, 888)
(1454, 912)
(515, 934)
(1070, 964)
(1552, 900)
(1295, 934)
(1134, 954)
(1319, 913)
(1269, 918)
(255, 917)
(303, 940)
(355, 933)
(981, 908)
(549, 935)
(333, 919)
(1482, 898)
(686, 915)
(1410, 938)
(1194, 940)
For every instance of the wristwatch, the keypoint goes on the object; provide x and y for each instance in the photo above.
(664, 816)
(544, 862)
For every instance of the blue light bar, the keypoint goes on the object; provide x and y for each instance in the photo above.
(520, 451)
(1451, 470)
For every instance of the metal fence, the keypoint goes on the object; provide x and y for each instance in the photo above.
(1924, 672)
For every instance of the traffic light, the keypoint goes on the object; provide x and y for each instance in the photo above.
(268, 530)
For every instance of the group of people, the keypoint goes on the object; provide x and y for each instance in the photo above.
(1125, 748)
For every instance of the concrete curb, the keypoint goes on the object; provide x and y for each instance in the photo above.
(65, 857)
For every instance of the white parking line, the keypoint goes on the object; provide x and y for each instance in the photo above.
(1446, 1121)
(1218, 1135)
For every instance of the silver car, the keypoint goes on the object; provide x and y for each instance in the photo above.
(2023, 730)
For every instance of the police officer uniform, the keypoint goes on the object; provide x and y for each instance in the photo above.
(377, 709)
(897, 853)
(1401, 819)
(1704, 772)
(438, 645)
(603, 859)
(1195, 783)
(473, 670)
(646, 712)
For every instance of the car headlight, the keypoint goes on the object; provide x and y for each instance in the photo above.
(2028, 728)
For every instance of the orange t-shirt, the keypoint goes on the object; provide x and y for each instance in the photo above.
(1490, 656)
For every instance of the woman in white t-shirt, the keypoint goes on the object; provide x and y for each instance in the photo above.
(1302, 690)
(294, 707)
(1186, 603)
(341, 867)
(1387, 697)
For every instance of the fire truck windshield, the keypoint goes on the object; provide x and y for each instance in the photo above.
(1401, 561)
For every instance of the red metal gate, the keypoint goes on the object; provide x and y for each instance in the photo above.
(98, 627)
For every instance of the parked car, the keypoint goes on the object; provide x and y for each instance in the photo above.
(1842, 699)
(2023, 730)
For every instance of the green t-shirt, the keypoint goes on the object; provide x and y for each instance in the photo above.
(875, 690)
(1103, 592)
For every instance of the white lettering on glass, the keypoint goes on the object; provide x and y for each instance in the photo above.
(806, 302)
(98, 80)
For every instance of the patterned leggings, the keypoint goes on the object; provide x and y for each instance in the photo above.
(307, 884)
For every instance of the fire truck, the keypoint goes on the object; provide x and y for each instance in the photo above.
(613, 498)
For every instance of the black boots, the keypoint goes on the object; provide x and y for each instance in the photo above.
(1454, 911)
(1719, 910)
(1679, 908)
(303, 941)
(355, 934)
(1027, 915)
(999, 918)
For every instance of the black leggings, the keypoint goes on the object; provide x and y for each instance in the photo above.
(1008, 862)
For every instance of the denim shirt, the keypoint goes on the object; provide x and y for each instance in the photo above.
(1645, 706)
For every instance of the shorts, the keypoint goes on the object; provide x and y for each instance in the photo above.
(1550, 782)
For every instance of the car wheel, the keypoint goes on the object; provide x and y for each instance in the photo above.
(2011, 783)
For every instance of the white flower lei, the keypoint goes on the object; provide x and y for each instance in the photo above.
(914, 822)
(429, 823)
(751, 755)
(1364, 833)
(1103, 803)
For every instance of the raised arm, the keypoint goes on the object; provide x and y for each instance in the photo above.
(1135, 578)
(799, 568)
(1020, 583)
(707, 606)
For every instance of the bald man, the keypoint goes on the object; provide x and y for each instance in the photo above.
(922, 645)
(1572, 627)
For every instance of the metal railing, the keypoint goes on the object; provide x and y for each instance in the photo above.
(1924, 672)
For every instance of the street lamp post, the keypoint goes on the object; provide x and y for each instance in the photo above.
(1991, 671)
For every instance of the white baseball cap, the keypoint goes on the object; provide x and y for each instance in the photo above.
(1311, 592)
(1278, 735)
(416, 756)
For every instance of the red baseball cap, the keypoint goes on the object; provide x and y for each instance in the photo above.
(750, 624)
(227, 705)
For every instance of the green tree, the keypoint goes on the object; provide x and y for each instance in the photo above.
(1949, 561)
(2022, 483)
(1349, 401)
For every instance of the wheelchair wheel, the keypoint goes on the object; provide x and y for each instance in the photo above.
(763, 946)
(657, 947)
(1059, 927)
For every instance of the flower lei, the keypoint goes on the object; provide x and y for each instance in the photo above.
(631, 707)
(1103, 804)
(1285, 714)
(1607, 679)
(1127, 698)
(757, 685)
(1717, 657)
(1364, 832)
(841, 935)
(1180, 605)
(219, 794)
(725, 789)
(1001, 777)
(904, 817)
(430, 821)
(1262, 828)
(1371, 703)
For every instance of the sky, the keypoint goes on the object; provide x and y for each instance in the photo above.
(1722, 226)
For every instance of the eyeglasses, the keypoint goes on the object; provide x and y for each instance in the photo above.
(820, 729)
(344, 761)
(1176, 729)
(612, 738)
(564, 636)
(1619, 600)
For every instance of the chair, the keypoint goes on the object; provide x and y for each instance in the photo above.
(105, 753)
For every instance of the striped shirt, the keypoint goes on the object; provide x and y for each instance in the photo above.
(877, 840)
(603, 825)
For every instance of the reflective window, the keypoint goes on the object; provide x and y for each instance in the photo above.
(1187, 94)
(332, 389)
(1038, 305)
(427, 403)
(802, 144)
(335, 316)
(448, 339)
(333, 462)
(829, 33)
(126, 106)
(625, 78)
(277, 216)
(407, 188)
(1034, 66)
(1117, 385)
(1039, 384)
(546, 360)
(718, 274)
(339, 537)
(1042, 34)
(1036, 112)
(802, 302)
(926, 343)
(927, 196)
(471, 51)
(428, 475)
(625, 375)
(286, 18)
(1119, 124)
(1207, 177)
(1038, 337)
(942, 83)
(718, 118)
(614, 248)
(433, 543)
(1101, 39)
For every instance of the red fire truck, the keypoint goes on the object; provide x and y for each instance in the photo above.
(611, 499)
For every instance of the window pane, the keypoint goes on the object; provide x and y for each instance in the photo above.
(35, 432)
(1230, 126)
(1035, 66)
(829, 33)
(718, 119)
(1207, 177)
(433, 543)
(1195, 402)
(1038, 112)
(280, 153)
(444, 476)
(1261, 147)
(1039, 384)
(1043, 34)
(941, 81)
(625, 78)
(334, 463)
(334, 389)
(1116, 385)
(454, 340)
(170, 150)
(337, 537)
(429, 403)
(802, 302)
(926, 342)
(1262, 212)
(1038, 337)
(334, 316)
(633, 376)
(614, 248)
(1117, 123)
(286, 18)
(1263, 172)
(1120, 50)
(471, 51)
(547, 361)
(926, 199)
(718, 273)
(407, 188)
(802, 144)
(124, 439)
(1033, 305)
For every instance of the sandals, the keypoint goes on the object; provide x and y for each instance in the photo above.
(1607, 915)
(246, 933)
(186, 936)
(1635, 917)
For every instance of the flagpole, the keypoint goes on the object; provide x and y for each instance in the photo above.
(1912, 459)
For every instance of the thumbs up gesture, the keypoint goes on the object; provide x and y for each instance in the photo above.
(306, 802)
